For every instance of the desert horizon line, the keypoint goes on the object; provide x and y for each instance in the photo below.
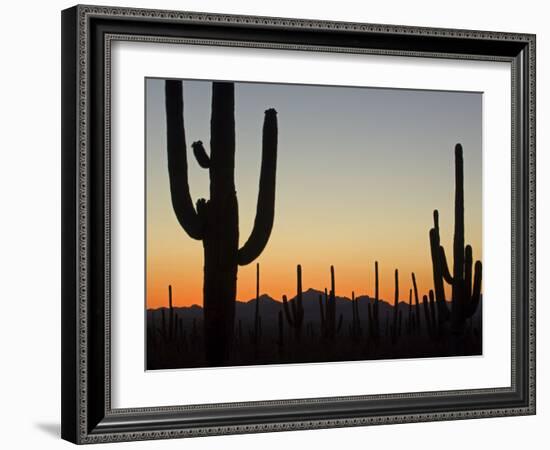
(263, 295)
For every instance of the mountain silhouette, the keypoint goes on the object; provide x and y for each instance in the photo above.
(270, 307)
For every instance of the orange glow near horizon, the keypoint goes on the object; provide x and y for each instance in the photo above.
(284, 282)
(359, 173)
(278, 275)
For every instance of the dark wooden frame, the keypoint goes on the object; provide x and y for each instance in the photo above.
(87, 416)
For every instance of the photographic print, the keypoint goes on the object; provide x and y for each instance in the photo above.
(291, 223)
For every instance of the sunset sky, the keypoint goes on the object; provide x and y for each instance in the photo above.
(359, 172)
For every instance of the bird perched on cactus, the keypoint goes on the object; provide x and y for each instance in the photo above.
(216, 221)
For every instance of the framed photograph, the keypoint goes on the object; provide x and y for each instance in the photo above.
(279, 224)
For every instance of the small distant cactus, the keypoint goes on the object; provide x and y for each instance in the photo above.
(410, 318)
(430, 315)
(171, 314)
(416, 303)
(355, 327)
(295, 313)
(256, 334)
(396, 326)
(329, 326)
(373, 310)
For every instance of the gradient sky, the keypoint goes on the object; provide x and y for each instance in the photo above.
(359, 172)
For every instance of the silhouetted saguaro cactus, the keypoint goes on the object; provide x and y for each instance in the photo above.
(215, 221)
(465, 297)
(355, 328)
(416, 304)
(427, 317)
(256, 335)
(394, 327)
(329, 326)
(436, 251)
(410, 318)
(430, 315)
(171, 314)
(295, 313)
(373, 311)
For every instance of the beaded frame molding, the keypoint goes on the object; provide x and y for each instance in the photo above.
(87, 34)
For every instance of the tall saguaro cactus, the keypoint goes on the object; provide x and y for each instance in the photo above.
(216, 221)
(465, 297)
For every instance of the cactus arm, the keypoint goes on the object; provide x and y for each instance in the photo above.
(200, 154)
(468, 262)
(265, 209)
(177, 161)
(444, 266)
(443, 311)
(416, 303)
(476, 292)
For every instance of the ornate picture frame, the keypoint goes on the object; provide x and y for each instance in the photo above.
(88, 415)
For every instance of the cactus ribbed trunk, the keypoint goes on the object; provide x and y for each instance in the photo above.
(216, 220)
(221, 236)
